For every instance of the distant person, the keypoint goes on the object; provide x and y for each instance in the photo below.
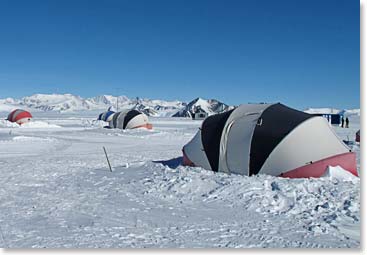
(342, 122)
(347, 122)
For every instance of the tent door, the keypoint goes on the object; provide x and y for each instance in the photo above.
(238, 143)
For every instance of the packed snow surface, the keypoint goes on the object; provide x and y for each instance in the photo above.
(56, 191)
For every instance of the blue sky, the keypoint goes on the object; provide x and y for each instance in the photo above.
(301, 53)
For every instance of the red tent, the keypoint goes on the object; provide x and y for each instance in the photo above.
(19, 116)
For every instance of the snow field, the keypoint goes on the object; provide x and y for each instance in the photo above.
(56, 191)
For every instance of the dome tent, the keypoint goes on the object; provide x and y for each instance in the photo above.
(267, 139)
(19, 116)
(130, 119)
(106, 116)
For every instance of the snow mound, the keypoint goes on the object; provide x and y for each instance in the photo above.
(39, 124)
(7, 124)
(337, 172)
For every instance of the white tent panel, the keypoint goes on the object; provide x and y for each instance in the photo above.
(312, 140)
(23, 120)
(194, 150)
(236, 138)
(137, 121)
(119, 123)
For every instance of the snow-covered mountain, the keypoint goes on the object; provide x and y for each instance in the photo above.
(72, 103)
(160, 108)
(211, 107)
(8, 104)
(55, 102)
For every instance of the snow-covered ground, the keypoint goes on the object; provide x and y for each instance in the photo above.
(57, 191)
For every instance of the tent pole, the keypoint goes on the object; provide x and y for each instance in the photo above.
(108, 161)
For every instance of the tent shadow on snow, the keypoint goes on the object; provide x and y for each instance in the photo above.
(171, 163)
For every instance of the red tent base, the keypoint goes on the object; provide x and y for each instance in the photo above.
(185, 160)
(147, 126)
(316, 169)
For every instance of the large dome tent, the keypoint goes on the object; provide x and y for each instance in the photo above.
(268, 139)
(127, 119)
(130, 119)
(19, 116)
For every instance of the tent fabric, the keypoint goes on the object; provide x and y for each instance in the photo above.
(265, 139)
(212, 128)
(114, 123)
(317, 169)
(236, 156)
(106, 116)
(311, 141)
(276, 122)
(19, 116)
(129, 119)
(194, 152)
(129, 116)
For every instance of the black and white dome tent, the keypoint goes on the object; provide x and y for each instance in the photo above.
(268, 139)
(130, 119)
(127, 119)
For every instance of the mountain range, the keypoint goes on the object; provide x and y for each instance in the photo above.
(73, 103)
(160, 108)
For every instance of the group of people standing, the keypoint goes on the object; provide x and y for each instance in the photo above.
(346, 122)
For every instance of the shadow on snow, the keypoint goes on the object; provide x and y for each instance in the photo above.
(171, 163)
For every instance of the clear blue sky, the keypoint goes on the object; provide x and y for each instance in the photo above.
(302, 53)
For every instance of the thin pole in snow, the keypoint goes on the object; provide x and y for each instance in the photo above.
(108, 161)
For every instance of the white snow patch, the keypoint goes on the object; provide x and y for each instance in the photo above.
(61, 194)
(337, 172)
(33, 139)
(38, 124)
(7, 124)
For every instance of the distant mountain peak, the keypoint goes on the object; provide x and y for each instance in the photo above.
(211, 106)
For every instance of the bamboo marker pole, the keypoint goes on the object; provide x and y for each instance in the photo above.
(108, 161)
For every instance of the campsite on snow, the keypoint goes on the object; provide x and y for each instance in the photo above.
(197, 174)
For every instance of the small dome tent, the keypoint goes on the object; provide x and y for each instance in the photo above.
(268, 139)
(130, 119)
(106, 116)
(19, 116)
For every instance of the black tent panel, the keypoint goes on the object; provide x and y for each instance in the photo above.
(211, 133)
(275, 123)
(131, 114)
